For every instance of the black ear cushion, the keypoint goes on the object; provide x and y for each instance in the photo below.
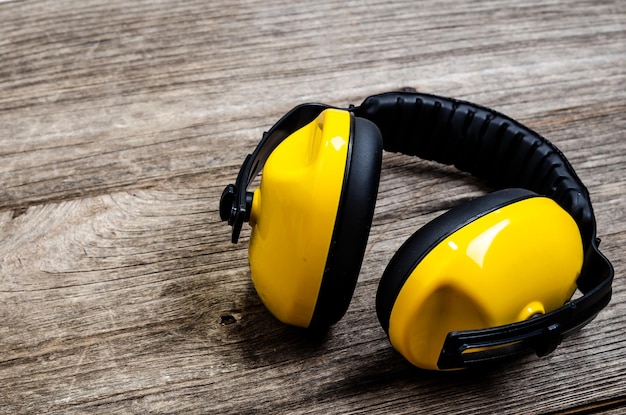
(352, 225)
(430, 235)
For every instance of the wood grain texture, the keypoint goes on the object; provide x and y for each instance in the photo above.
(121, 123)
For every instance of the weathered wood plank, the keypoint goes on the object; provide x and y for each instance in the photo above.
(121, 123)
(141, 320)
(159, 88)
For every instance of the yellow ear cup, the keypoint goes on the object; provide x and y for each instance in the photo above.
(310, 218)
(522, 257)
(293, 216)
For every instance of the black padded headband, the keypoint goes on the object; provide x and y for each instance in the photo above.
(480, 141)
(492, 147)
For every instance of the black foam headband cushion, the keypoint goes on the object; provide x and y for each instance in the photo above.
(480, 141)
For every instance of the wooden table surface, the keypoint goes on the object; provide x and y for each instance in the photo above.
(120, 124)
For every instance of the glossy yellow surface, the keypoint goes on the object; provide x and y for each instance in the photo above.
(293, 216)
(520, 260)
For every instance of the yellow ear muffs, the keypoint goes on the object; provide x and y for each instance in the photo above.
(463, 290)
(499, 259)
(310, 218)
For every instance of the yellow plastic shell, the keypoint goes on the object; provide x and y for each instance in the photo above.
(520, 260)
(293, 216)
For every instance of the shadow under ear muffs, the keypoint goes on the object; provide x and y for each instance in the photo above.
(487, 281)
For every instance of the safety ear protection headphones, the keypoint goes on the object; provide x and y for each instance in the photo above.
(487, 281)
